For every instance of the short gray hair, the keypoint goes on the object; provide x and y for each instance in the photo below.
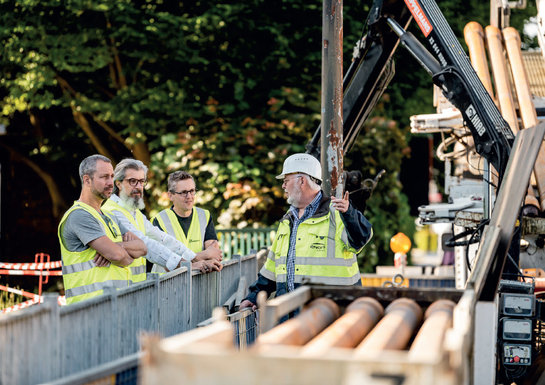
(121, 169)
(176, 177)
(311, 182)
(88, 166)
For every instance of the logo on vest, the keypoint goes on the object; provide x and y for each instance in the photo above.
(194, 240)
(317, 246)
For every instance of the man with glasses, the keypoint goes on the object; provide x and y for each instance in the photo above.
(189, 224)
(130, 178)
(317, 239)
(95, 249)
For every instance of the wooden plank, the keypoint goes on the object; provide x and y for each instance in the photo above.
(276, 308)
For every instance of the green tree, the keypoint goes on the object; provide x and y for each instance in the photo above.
(225, 90)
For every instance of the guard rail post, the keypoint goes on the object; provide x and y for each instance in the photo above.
(155, 314)
(188, 293)
(111, 292)
(51, 362)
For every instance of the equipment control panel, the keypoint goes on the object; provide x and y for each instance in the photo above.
(517, 354)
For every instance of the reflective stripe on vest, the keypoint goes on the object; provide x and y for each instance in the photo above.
(82, 278)
(138, 270)
(138, 267)
(169, 223)
(87, 289)
(333, 263)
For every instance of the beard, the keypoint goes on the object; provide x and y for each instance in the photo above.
(131, 202)
(294, 198)
(104, 194)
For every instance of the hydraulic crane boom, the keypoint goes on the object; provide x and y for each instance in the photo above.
(372, 70)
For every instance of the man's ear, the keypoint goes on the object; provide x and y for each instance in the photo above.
(118, 185)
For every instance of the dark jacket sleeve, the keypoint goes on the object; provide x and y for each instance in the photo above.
(262, 284)
(357, 227)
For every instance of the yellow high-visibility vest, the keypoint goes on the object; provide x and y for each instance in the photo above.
(82, 278)
(168, 221)
(138, 267)
(322, 252)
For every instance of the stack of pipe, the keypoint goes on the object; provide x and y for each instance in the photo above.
(299, 330)
(394, 331)
(359, 318)
(428, 343)
(496, 40)
(365, 327)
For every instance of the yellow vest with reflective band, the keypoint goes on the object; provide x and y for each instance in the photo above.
(138, 267)
(322, 252)
(82, 278)
(168, 221)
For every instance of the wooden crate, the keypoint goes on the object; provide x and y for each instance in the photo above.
(208, 356)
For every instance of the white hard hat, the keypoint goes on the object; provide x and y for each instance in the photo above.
(304, 163)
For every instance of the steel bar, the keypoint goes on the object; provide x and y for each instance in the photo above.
(332, 98)
(299, 330)
(428, 343)
(348, 331)
(526, 105)
(394, 331)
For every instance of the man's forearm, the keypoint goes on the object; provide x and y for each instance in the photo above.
(261, 284)
(135, 248)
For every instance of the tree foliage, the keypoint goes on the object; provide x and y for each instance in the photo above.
(225, 90)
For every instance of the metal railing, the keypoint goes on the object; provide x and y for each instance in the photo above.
(126, 370)
(244, 241)
(47, 342)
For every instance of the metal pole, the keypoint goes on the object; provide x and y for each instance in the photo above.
(332, 97)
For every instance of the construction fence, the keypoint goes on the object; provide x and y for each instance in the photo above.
(47, 342)
(244, 241)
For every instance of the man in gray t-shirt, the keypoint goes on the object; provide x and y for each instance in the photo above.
(80, 228)
(95, 250)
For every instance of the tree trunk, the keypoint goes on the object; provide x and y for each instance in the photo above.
(59, 204)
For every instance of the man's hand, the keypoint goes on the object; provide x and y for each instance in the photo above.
(128, 236)
(100, 261)
(211, 253)
(134, 246)
(207, 266)
(244, 304)
(341, 204)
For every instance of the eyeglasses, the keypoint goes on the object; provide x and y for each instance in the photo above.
(185, 193)
(133, 182)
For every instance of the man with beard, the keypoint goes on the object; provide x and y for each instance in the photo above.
(317, 239)
(163, 250)
(95, 249)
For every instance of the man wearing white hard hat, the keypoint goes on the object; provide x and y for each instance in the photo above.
(317, 239)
